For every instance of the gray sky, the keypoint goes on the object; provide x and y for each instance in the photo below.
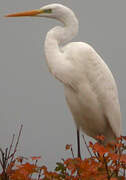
(29, 95)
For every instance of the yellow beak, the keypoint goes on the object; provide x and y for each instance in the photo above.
(26, 13)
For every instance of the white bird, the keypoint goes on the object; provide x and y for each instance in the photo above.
(90, 88)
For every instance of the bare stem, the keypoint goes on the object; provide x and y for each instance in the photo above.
(39, 175)
(106, 167)
(72, 152)
(15, 149)
(10, 148)
(87, 145)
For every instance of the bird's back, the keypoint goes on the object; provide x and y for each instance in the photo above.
(93, 98)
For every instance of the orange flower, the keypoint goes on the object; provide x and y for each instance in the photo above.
(35, 157)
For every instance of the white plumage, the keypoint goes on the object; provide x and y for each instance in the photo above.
(90, 88)
(93, 98)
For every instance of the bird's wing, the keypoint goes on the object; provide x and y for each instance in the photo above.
(91, 76)
(103, 84)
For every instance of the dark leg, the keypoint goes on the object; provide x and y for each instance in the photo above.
(78, 143)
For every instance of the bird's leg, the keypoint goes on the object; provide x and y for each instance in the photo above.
(78, 143)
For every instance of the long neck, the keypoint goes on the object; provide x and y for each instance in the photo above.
(59, 35)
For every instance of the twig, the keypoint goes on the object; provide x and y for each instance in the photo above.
(2, 161)
(39, 175)
(15, 149)
(124, 173)
(87, 146)
(106, 167)
(6, 157)
(10, 148)
(72, 152)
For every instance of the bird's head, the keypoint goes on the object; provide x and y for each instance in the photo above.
(57, 11)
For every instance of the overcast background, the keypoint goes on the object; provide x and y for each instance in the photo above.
(29, 95)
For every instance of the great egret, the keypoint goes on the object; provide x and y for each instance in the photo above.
(90, 88)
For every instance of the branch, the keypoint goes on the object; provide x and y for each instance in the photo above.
(10, 148)
(106, 167)
(87, 146)
(15, 149)
(72, 152)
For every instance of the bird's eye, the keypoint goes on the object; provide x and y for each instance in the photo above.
(48, 11)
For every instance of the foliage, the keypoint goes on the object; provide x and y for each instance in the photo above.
(105, 162)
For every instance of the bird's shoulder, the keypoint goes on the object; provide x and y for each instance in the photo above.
(77, 47)
(81, 53)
